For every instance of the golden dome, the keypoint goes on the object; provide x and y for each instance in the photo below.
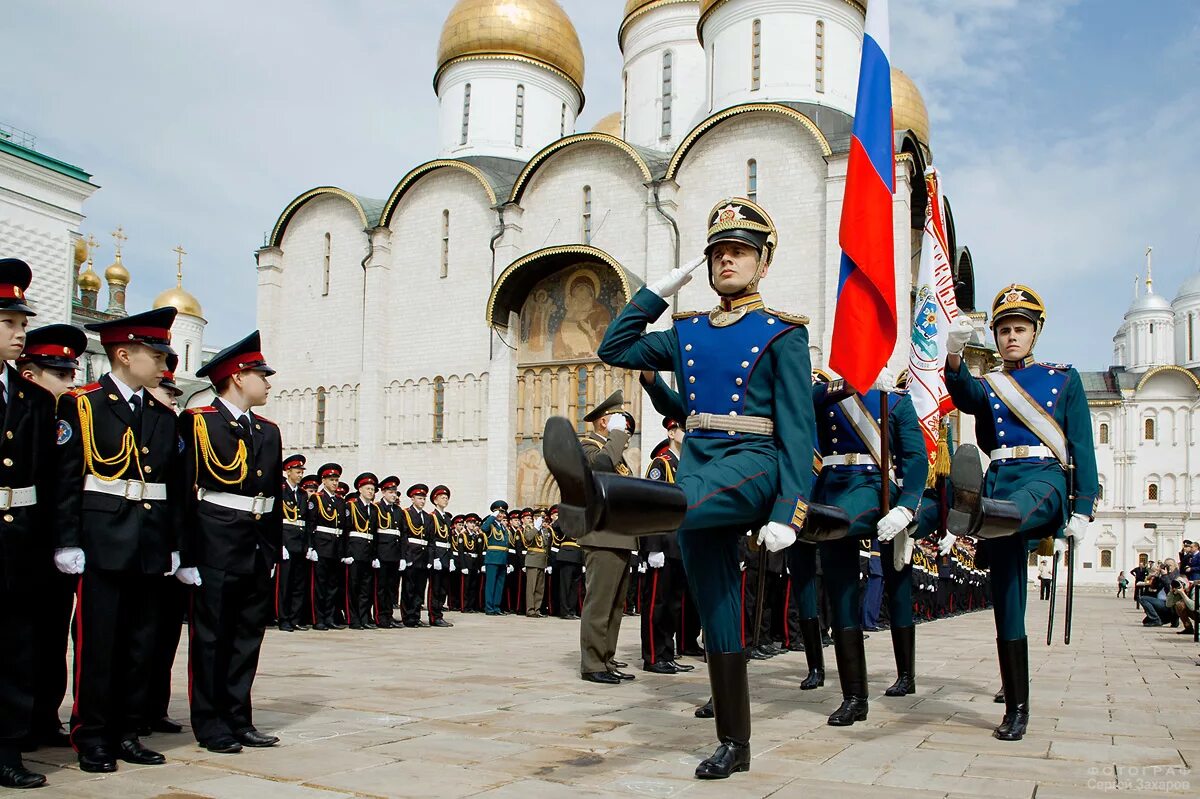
(88, 280)
(610, 124)
(117, 273)
(908, 107)
(538, 30)
(181, 300)
(80, 251)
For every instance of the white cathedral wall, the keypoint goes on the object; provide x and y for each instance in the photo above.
(668, 28)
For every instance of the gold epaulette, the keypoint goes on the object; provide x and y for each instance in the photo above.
(687, 314)
(790, 318)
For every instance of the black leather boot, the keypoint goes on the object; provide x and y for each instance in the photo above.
(1014, 672)
(904, 647)
(731, 703)
(971, 513)
(602, 500)
(825, 523)
(852, 674)
(810, 633)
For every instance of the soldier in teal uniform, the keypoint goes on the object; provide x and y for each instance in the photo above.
(745, 374)
(1033, 420)
(495, 557)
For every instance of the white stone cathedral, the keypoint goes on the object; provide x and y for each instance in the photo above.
(456, 314)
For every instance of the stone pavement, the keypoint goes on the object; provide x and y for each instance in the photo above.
(494, 708)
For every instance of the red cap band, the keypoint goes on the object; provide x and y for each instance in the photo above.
(247, 360)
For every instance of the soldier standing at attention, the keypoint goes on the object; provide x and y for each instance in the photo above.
(1034, 420)
(417, 529)
(747, 459)
(119, 516)
(534, 539)
(495, 558)
(290, 582)
(389, 543)
(327, 545)
(50, 361)
(441, 557)
(232, 537)
(26, 446)
(362, 523)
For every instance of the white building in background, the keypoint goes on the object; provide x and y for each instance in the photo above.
(456, 314)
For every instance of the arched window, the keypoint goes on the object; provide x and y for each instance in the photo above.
(439, 408)
(756, 56)
(752, 180)
(562, 121)
(1152, 492)
(320, 417)
(1191, 337)
(328, 254)
(187, 357)
(519, 134)
(581, 403)
(1106, 558)
(820, 56)
(1100, 493)
(666, 95)
(1103, 432)
(1148, 432)
(466, 114)
(587, 214)
(445, 242)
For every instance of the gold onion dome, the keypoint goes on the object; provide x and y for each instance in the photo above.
(908, 107)
(117, 273)
(80, 251)
(181, 300)
(610, 124)
(88, 280)
(534, 30)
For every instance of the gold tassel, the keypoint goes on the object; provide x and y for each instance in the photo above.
(941, 461)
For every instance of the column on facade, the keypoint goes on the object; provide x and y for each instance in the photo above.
(377, 282)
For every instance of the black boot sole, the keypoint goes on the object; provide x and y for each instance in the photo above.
(565, 459)
(966, 474)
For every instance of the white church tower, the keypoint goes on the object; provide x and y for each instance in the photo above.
(664, 73)
(1147, 337)
(509, 79)
(1187, 324)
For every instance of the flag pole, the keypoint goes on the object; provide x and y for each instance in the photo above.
(885, 456)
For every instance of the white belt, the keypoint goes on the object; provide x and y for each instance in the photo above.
(849, 459)
(441, 544)
(421, 542)
(356, 534)
(553, 549)
(256, 505)
(17, 497)
(388, 532)
(134, 490)
(1021, 451)
(294, 523)
(329, 530)
(512, 551)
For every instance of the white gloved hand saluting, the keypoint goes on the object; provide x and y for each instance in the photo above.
(886, 381)
(959, 335)
(617, 421)
(947, 543)
(537, 523)
(776, 536)
(1077, 526)
(189, 575)
(891, 524)
(311, 555)
(656, 560)
(69, 560)
(174, 565)
(677, 278)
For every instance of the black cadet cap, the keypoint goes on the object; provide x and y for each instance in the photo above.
(15, 277)
(54, 346)
(151, 328)
(246, 354)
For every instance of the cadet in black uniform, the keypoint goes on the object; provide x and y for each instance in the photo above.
(441, 558)
(417, 529)
(27, 456)
(389, 550)
(327, 545)
(119, 516)
(362, 522)
(290, 579)
(232, 537)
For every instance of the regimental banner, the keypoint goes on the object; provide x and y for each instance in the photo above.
(933, 311)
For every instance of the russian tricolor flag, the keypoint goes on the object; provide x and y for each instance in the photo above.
(864, 326)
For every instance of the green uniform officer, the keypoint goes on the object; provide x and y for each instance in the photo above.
(1033, 420)
(745, 375)
(495, 557)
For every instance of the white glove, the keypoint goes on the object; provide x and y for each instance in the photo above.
(188, 575)
(641, 568)
(347, 561)
(902, 550)
(895, 521)
(959, 335)
(617, 421)
(174, 565)
(464, 571)
(510, 570)
(537, 523)
(742, 566)
(677, 278)
(375, 563)
(69, 560)
(1077, 526)
(776, 536)
(549, 569)
(947, 543)
(451, 564)
(437, 565)
(284, 554)
(656, 560)
(886, 381)
(583, 569)
(272, 574)
(311, 555)
(403, 565)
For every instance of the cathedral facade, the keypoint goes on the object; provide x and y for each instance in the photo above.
(458, 313)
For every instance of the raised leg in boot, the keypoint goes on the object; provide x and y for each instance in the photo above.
(731, 704)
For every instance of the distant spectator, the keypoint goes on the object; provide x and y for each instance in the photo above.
(1044, 572)
(1154, 596)
(1139, 573)
(1122, 584)
(1189, 560)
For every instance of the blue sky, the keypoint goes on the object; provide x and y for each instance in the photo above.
(1064, 130)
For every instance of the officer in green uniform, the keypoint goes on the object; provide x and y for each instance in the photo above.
(1033, 419)
(747, 458)
(495, 557)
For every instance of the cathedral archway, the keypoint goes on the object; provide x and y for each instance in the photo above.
(564, 298)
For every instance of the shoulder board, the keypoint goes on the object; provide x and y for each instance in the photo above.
(265, 419)
(78, 392)
(790, 318)
(687, 314)
(1060, 366)
(836, 385)
(205, 409)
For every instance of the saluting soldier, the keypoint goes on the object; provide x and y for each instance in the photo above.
(389, 544)
(119, 517)
(27, 459)
(417, 528)
(747, 458)
(327, 545)
(232, 537)
(1034, 421)
(495, 558)
(293, 568)
(49, 360)
(441, 556)
(534, 540)
(362, 523)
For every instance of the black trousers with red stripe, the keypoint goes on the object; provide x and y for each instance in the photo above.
(412, 593)
(16, 671)
(439, 586)
(470, 590)
(661, 601)
(569, 597)
(115, 628)
(51, 610)
(291, 588)
(387, 583)
(229, 614)
(172, 599)
(360, 590)
(327, 578)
